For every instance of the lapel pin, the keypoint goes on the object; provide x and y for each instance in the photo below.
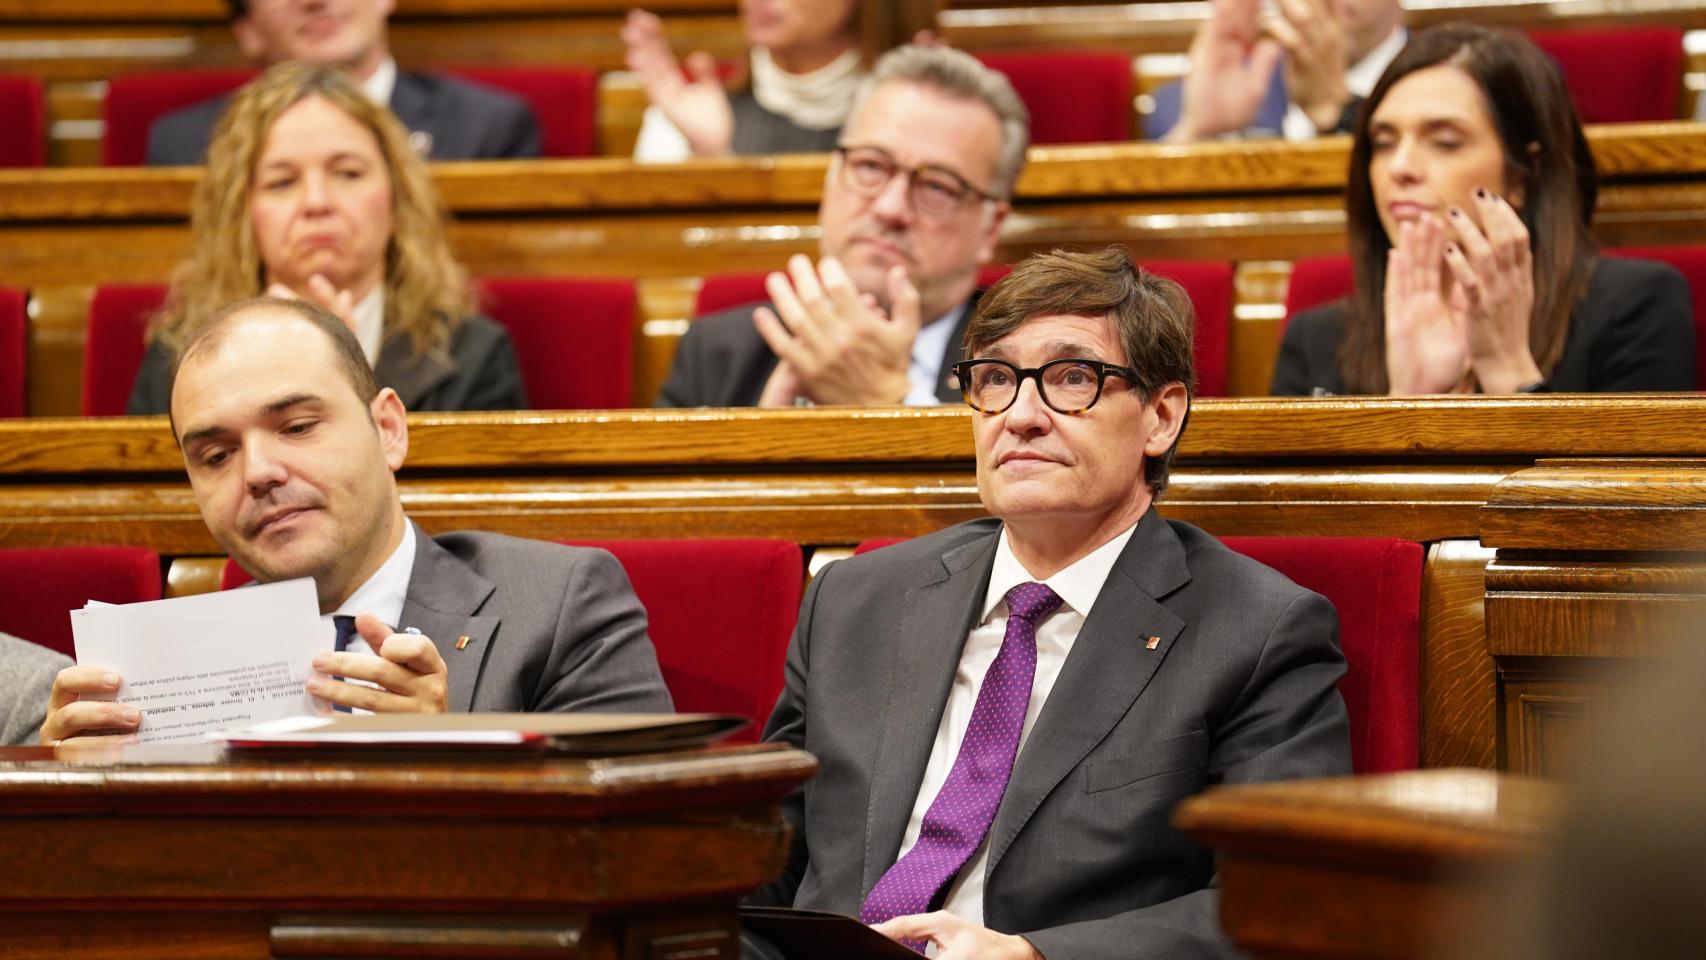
(1152, 643)
(462, 642)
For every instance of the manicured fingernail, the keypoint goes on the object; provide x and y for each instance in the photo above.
(1455, 213)
(110, 679)
(316, 685)
(1480, 193)
(1451, 248)
(131, 716)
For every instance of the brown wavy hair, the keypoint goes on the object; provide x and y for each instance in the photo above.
(1545, 152)
(427, 292)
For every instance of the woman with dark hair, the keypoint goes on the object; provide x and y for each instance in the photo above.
(1468, 204)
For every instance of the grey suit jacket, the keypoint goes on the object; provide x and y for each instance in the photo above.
(461, 120)
(26, 678)
(1240, 687)
(550, 628)
(723, 361)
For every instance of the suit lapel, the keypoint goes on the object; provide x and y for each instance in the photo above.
(411, 376)
(938, 616)
(444, 596)
(947, 387)
(1107, 670)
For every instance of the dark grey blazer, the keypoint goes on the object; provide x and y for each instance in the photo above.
(550, 628)
(1634, 331)
(723, 361)
(1240, 688)
(26, 678)
(482, 374)
(463, 121)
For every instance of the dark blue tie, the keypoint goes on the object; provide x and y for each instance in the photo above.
(346, 633)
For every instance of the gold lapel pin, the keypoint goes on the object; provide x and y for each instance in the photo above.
(462, 642)
(1152, 643)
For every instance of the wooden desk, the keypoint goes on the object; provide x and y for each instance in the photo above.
(159, 853)
(1374, 868)
(1587, 504)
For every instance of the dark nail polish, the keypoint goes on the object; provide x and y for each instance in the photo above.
(1480, 193)
(1455, 213)
(1451, 248)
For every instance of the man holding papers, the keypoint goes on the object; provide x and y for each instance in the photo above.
(292, 449)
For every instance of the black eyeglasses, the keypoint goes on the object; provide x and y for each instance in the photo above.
(935, 191)
(1067, 386)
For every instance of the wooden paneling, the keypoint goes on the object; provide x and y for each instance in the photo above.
(1459, 685)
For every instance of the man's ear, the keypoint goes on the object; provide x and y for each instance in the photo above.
(392, 423)
(1171, 403)
(991, 231)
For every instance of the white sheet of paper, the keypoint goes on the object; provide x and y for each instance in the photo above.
(203, 663)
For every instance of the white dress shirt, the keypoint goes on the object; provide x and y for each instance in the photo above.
(924, 372)
(379, 85)
(369, 318)
(382, 595)
(1077, 586)
(1359, 80)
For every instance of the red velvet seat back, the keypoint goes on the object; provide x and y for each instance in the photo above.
(1316, 281)
(14, 345)
(23, 136)
(135, 101)
(564, 101)
(1618, 75)
(574, 338)
(1691, 263)
(1376, 586)
(118, 320)
(39, 586)
(721, 613)
(1073, 97)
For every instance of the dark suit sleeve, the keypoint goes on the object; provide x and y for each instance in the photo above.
(602, 659)
(151, 393)
(788, 725)
(518, 133)
(1648, 343)
(1308, 354)
(723, 361)
(1287, 722)
(493, 373)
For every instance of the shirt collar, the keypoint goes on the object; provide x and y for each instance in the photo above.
(1365, 73)
(1077, 586)
(381, 82)
(384, 593)
(929, 346)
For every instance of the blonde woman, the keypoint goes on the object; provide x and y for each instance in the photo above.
(312, 191)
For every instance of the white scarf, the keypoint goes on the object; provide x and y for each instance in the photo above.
(818, 100)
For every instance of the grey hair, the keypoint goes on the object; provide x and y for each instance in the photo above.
(959, 74)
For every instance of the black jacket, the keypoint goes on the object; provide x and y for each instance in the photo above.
(462, 121)
(1633, 332)
(482, 375)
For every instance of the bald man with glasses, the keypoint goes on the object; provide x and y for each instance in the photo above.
(913, 203)
(1006, 712)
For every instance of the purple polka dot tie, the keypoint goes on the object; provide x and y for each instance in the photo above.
(964, 808)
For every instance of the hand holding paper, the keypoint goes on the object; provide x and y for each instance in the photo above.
(408, 674)
(68, 715)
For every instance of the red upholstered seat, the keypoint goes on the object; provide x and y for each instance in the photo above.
(40, 585)
(564, 101)
(135, 101)
(1617, 75)
(1316, 281)
(1208, 282)
(118, 319)
(1376, 585)
(574, 338)
(14, 344)
(23, 138)
(720, 612)
(1073, 97)
(1691, 263)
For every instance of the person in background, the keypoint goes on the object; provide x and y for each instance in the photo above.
(1469, 200)
(450, 119)
(913, 202)
(806, 63)
(1304, 78)
(311, 191)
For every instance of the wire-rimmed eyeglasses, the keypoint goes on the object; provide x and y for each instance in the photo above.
(935, 191)
(1069, 385)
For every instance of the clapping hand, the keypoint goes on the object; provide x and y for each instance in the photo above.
(1494, 273)
(699, 107)
(837, 345)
